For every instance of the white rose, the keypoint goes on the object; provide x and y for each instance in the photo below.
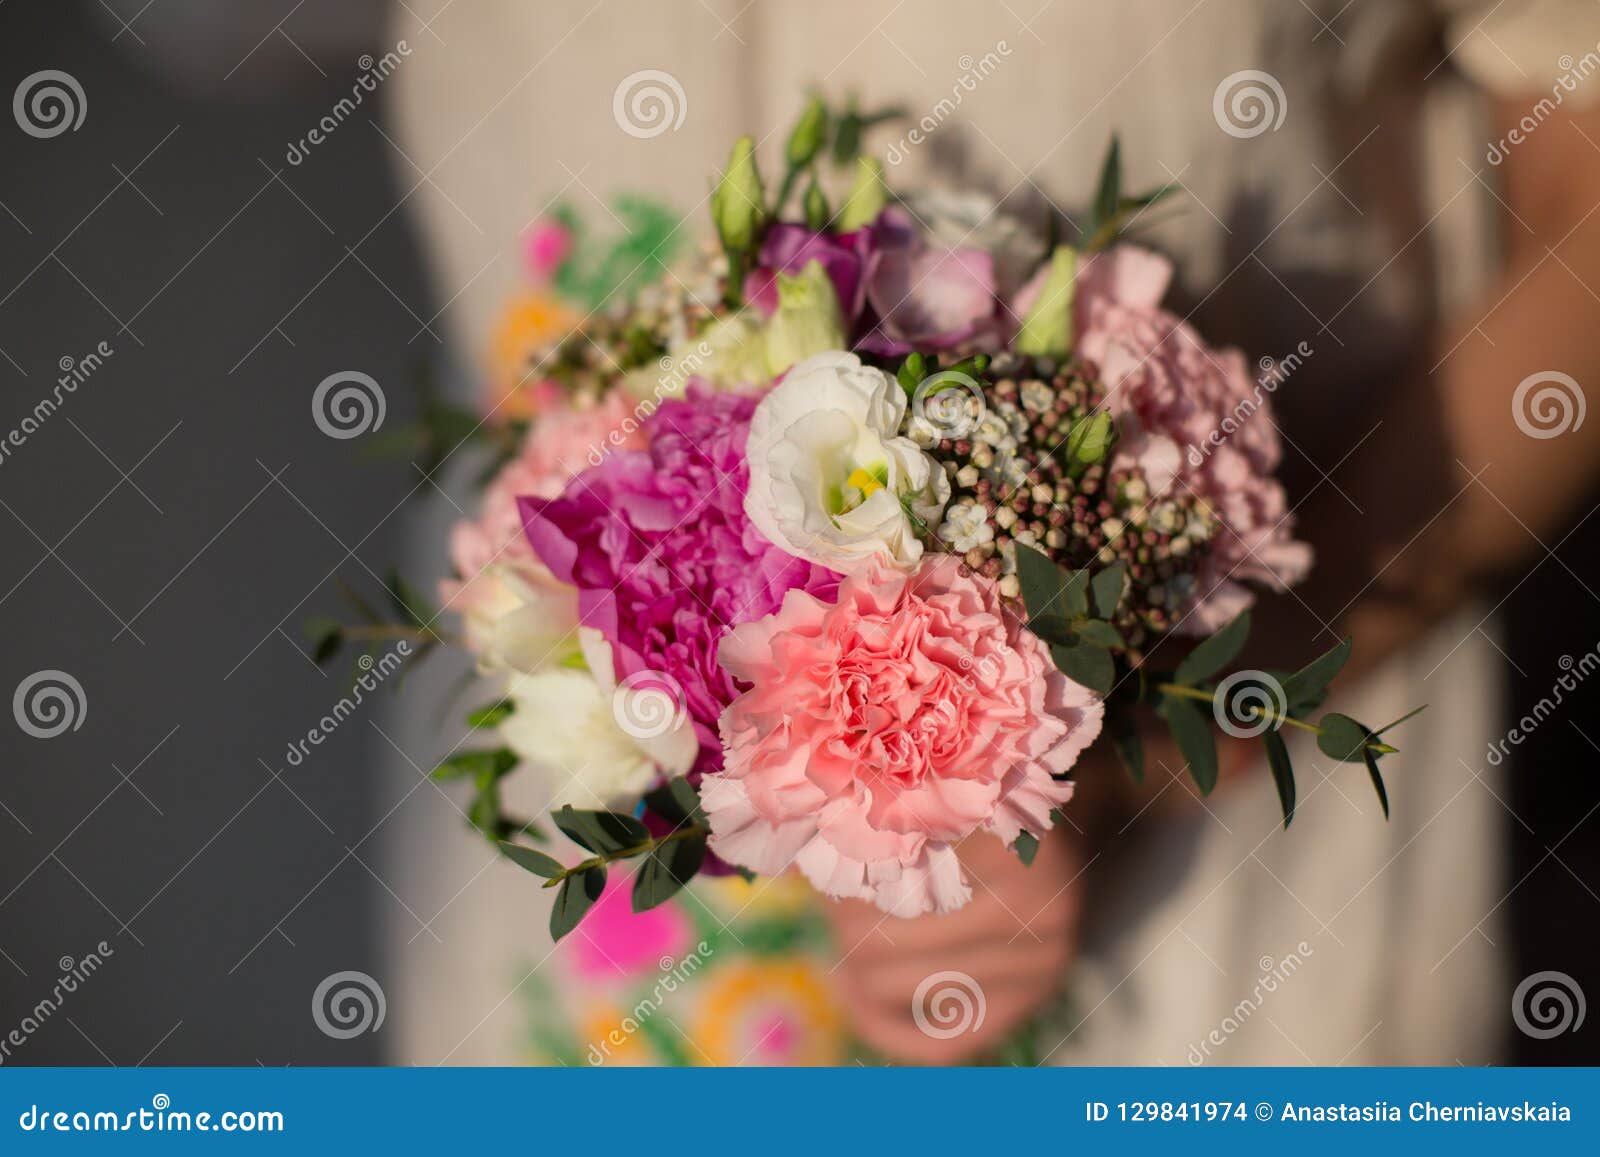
(831, 478)
(599, 747)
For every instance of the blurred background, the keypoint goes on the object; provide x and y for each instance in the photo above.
(195, 259)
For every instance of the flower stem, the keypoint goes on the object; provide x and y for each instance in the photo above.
(1201, 695)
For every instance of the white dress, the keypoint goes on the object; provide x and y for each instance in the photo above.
(1345, 940)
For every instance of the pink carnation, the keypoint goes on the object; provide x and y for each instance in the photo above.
(1194, 420)
(883, 729)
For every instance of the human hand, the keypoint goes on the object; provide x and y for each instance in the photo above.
(1011, 944)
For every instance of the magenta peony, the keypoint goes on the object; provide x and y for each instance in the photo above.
(661, 553)
(881, 730)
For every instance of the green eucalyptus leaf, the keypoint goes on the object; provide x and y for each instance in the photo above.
(1307, 685)
(1341, 737)
(1041, 582)
(1087, 665)
(1125, 737)
(1075, 594)
(1282, 772)
(577, 894)
(1192, 732)
(1377, 779)
(1026, 846)
(1109, 585)
(1108, 197)
(1101, 634)
(601, 832)
(534, 861)
(1214, 654)
(667, 868)
(1053, 628)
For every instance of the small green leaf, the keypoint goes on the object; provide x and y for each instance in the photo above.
(1041, 582)
(1053, 628)
(327, 636)
(675, 801)
(1305, 686)
(408, 604)
(536, 862)
(1214, 654)
(1087, 665)
(492, 715)
(816, 208)
(574, 898)
(1341, 737)
(1026, 846)
(1377, 780)
(1195, 741)
(477, 764)
(1125, 737)
(1075, 594)
(669, 867)
(1282, 773)
(1109, 585)
(601, 832)
(1101, 634)
(1109, 195)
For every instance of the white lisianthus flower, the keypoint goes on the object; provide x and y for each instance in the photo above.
(831, 478)
(514, 624)
(568, 721)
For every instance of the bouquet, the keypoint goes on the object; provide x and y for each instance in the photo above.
(841, 540)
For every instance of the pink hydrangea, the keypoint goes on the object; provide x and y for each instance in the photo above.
(1196, 422)
(882, 729)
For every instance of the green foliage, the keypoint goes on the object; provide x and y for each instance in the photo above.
(1192, 732)
(670, 865)
(1282, 772)
(1113, 211)
(1110, 585)
(675, 801)
(493, 763)
(492, 715)
(534, 861)
(1215, 653)
(1026, 846)
(576, 895)
(601, 832)
(1306, 688)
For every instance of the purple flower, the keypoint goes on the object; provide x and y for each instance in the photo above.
(898, 290)
(664, 559)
